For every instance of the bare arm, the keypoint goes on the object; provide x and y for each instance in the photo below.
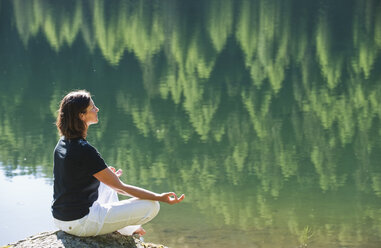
(108, 177)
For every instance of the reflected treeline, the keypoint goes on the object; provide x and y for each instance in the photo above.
(247, 106)
(271, 33)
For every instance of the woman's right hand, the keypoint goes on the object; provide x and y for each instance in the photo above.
(117, 173)
(171, 198)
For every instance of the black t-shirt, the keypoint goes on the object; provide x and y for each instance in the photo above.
(75, 187)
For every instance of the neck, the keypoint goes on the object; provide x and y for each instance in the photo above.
(85, 132)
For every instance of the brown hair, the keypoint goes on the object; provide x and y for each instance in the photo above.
(68, 123)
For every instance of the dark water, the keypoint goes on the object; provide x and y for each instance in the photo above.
(266, 113)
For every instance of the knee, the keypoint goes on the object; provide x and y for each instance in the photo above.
(155, 208)
(148, 208)
(152, 209)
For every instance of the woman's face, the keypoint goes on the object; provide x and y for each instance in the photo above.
(91, 115)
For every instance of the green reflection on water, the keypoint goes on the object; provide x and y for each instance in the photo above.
(265, 113)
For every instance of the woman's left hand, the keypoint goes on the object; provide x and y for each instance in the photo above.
(171, 198)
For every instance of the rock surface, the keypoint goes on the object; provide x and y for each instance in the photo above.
(61, 239)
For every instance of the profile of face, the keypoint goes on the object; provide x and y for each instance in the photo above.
(91, 114)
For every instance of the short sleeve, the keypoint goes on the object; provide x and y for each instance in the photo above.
(93, 160)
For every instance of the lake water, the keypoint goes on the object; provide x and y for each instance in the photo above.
(265, 113)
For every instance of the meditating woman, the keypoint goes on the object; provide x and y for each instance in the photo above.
(85, 188)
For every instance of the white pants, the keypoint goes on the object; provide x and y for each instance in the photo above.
(108, 214)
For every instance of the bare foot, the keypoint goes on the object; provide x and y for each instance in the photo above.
(140, 231)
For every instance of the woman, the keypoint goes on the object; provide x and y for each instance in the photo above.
(85, 188)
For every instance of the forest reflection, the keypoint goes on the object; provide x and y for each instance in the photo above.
(248, 106)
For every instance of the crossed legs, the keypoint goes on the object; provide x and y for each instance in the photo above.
(108, 214)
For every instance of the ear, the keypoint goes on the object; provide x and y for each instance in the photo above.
(82, 116)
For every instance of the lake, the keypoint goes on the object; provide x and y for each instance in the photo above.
(265, 113)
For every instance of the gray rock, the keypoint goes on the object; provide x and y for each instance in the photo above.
(59, 239)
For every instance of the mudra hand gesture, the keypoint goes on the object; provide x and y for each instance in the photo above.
(171, 198)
